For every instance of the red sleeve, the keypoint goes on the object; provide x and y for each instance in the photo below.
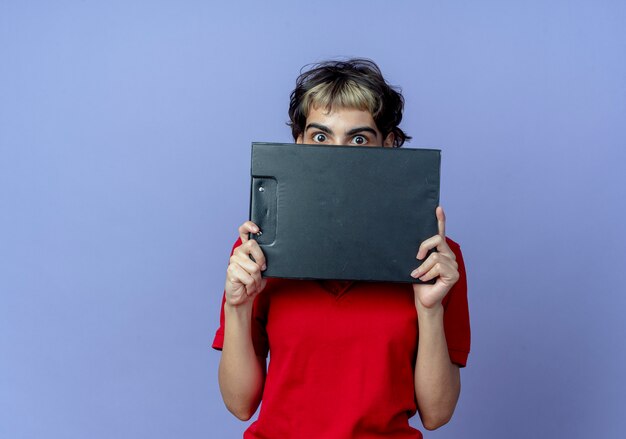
(259, 334)
(456, 313)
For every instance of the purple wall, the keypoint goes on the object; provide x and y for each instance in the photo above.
(124, 156)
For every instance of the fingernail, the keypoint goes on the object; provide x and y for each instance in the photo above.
(264, 267)
(415, 273)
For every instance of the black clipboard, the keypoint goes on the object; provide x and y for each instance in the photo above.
(343, 212)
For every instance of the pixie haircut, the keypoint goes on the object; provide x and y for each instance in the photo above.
(355, 83)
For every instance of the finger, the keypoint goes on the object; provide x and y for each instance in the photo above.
(241, 276)
(257, 254)
(256, 287)
(441, 221)
(430, 262)
(259, 285)
(251, 250)
(445, 249)
(430, 274)
(246, 228)
(442, 270)
(244, 261)
(427, 245)
(232, 277)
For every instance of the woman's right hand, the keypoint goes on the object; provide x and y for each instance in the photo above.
(243, 276)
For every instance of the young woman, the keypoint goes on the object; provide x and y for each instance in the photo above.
(348, 359)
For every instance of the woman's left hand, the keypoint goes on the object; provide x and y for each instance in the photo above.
(440, 264)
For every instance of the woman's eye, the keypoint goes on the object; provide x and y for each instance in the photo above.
(319, 137)
(359, 140)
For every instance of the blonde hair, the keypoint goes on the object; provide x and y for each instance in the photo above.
(348, 94)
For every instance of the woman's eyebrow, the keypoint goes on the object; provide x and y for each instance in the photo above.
(362, 129)
(320, 127)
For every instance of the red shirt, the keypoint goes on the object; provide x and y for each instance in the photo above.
(342, 356)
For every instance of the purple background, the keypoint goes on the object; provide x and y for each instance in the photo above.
(124, 156)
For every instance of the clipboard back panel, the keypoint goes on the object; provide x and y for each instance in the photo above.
(343, 212)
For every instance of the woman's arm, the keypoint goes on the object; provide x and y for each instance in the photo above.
(437, 379)
(241, 373)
